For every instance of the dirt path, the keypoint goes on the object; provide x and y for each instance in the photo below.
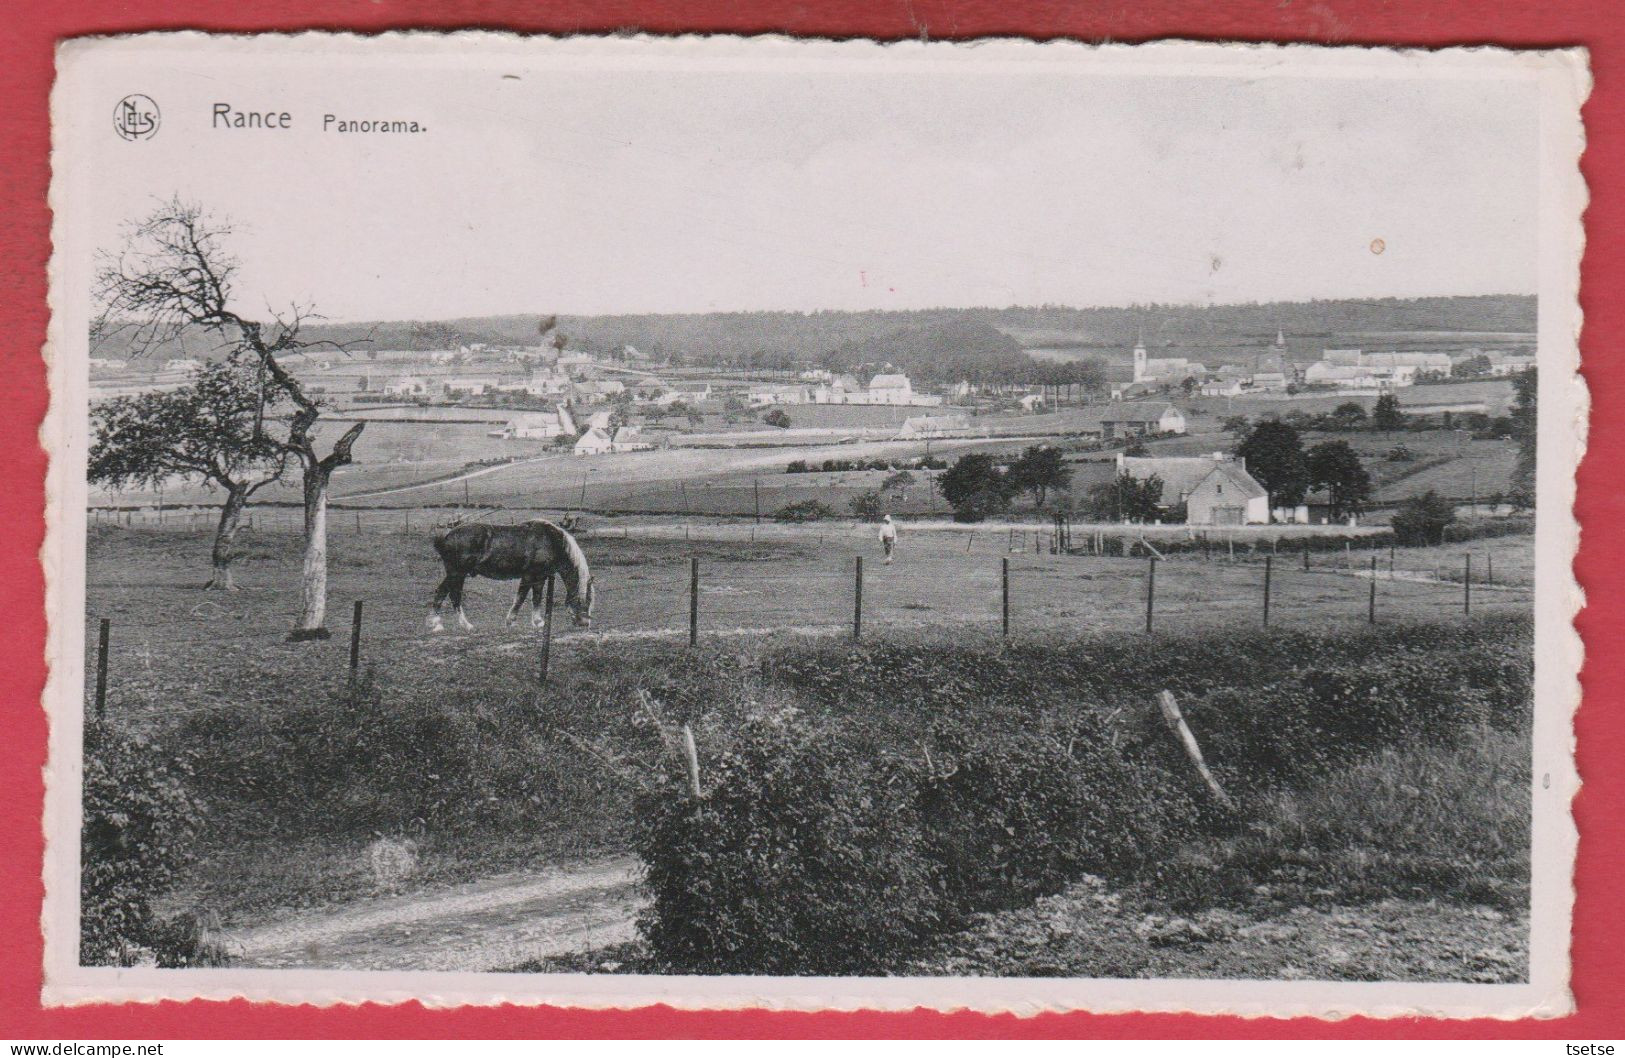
(486, 925)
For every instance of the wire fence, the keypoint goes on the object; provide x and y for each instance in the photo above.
(695, 583)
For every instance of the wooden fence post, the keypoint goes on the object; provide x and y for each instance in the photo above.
(547, 634)
(1467, 585)
(857, 600)
(1150, 589)
(1306, 554)
(691, 758)
(355, 642)
(1371, 607)
(1489, 574)
(1267, 590)
(101, 667)
(693, 600)
(1187, 739)
(1004, 593)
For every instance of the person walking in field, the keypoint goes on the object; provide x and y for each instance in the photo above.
(888, 537)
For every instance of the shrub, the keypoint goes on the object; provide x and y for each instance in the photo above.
(1020, 815)
(140, 820)
(803, 511)
(868, 505)
(1422, 519)
(800, 859)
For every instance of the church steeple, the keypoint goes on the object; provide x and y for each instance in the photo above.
(1280, 338)
(1139, 355)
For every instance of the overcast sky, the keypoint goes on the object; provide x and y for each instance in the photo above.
(603, 188)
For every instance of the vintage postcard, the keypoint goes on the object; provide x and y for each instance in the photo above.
(823, 525)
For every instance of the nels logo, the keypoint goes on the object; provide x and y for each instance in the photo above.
(136, 117)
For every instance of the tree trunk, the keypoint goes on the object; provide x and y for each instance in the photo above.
(225, 536)
(313, 579)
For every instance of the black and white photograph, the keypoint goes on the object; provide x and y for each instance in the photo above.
(747, 521)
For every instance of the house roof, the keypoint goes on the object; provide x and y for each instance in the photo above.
(889, 382)
(1182, 474)
(1138, 413)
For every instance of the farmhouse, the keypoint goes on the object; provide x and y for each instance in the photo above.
(921, 426)
(1221, 388)
(1216, 489)
(594, 442)
(1269, 381)
(629, 439)
(540, 425)
(685, 392)
(183, 363)
(1140, 420)
(105, 363)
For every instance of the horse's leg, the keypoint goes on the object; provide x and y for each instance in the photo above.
(457, 604)
(519, 601)
(435, 624)
(537, 617)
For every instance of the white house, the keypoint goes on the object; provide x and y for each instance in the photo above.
(890, 389)
(1032, 402)
(594, 442)
(107, 363)
(1222, 387)
(1216, 489)
(1268, 380)
(183, 363)
(1139, 420)
(598, 420)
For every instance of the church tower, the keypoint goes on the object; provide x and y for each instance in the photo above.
(1139, 357)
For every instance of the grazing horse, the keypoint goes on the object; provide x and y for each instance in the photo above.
(531, 552)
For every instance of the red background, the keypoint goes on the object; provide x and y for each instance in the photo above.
(25, 80)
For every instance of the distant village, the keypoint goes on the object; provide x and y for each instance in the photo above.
(598, 403)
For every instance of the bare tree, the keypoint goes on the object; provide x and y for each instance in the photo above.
(173, 279)
(208, 429)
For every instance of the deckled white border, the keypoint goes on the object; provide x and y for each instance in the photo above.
(1564, 81)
